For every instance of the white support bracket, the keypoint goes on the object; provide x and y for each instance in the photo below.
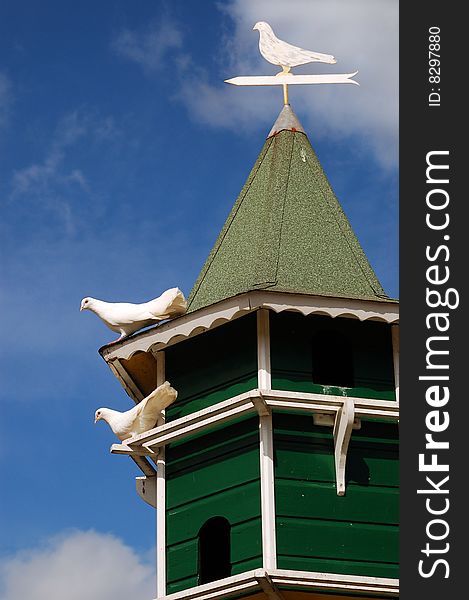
(263, 409)
(143, 464)
(146, 489)
(342, 432)
(268, 586)
(342, 413)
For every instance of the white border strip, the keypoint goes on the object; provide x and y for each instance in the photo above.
(160, 494)
(264, 378)
(252, 581)
(266, 452)
(395, 354)
(217, 314)
(266, 446)
(146, 443)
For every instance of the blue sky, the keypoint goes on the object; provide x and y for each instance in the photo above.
(122, 151)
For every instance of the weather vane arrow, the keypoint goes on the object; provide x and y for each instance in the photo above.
(287, 56)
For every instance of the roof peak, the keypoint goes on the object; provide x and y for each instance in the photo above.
(287, 120)
(286, 231)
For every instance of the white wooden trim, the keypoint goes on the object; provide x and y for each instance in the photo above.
(343, 409)
(141, 462)
(264, 379)
(139, 451)
(261, 405)
(266, 452)
(160, 493)
(146, 489)
(319, 407)
(342, 432)
(197, 427)
(266, 445)
(336, 582)
(222, 588)
(301, 400)
(268, 587)
(194, 421)
(145, 443)
(395, 354)
(250, 582)
(217, 314)
(305, 304)
(179, 328)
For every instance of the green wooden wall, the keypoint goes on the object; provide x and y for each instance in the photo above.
(216, 474)
(316, 529)
(292, 338)
(213, 366)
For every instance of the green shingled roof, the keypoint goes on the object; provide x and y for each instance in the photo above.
(286, 231)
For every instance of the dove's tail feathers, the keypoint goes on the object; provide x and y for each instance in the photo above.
(150, 407)
(162, 397)
(168, 394)
(325, 58)
(177, 304)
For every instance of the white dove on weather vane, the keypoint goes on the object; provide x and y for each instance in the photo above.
(287, 56)
(283, 54)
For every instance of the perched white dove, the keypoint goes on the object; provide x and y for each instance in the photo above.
(283, 54)
(141, 417)
(126, 318)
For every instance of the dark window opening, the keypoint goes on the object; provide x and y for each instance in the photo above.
(332, 359)
(214, 550)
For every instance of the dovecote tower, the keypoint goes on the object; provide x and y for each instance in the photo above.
(275, 473)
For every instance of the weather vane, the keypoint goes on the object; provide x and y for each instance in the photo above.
(287, 56)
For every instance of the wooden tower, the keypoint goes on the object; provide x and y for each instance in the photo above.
(275, 473)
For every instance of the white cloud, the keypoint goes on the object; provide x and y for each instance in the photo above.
(148, 47)
(49, 184)
(40, 177)
(77, 565)
(362, 34)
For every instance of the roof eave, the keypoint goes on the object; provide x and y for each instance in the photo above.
(157, 338)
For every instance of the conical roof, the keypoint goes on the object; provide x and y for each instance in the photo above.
(286, 231)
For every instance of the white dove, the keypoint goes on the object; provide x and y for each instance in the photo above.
(283, 54)
(126, 318)
(141, 417)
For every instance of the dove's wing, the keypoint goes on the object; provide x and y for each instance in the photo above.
(294, 54)
(121, 423)
(285, 54)
(124, 313)
(148, 410)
